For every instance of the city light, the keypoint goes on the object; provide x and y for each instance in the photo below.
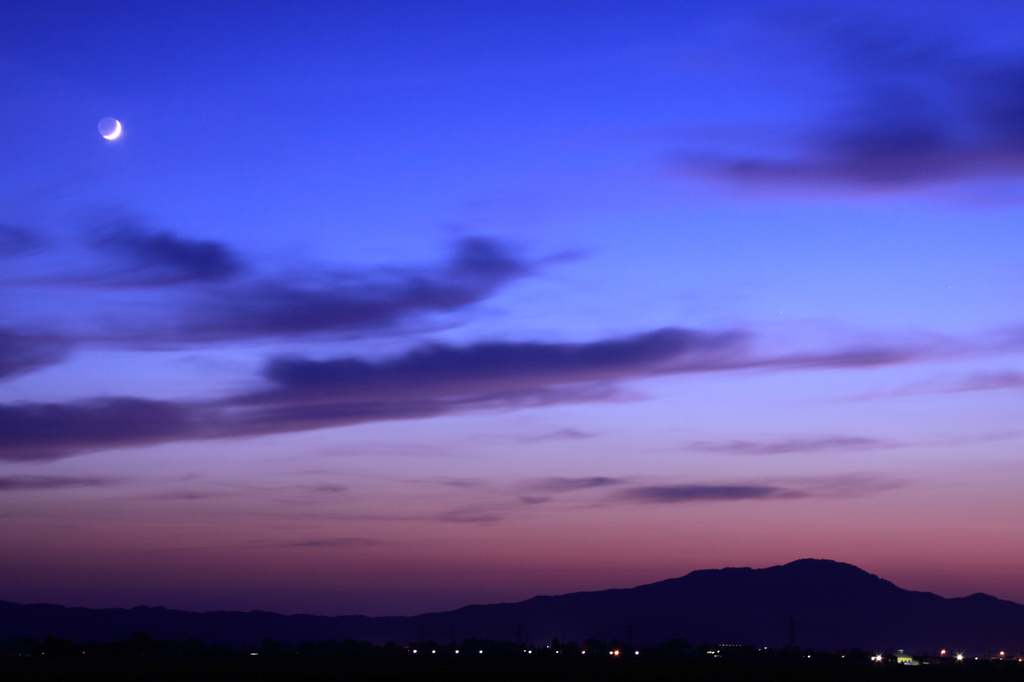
(959, 657)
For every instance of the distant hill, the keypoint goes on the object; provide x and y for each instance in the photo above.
(832, 605)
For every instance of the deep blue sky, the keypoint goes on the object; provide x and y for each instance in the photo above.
(389, 307)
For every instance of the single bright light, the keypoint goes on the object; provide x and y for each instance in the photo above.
(959, 657)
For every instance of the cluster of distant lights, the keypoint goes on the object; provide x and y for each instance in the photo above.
(614, 652)
(878, 658)
(434, 651)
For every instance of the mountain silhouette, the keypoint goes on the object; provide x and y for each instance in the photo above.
(821, 604)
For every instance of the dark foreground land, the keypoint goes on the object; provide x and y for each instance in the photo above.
(24, 670)
(141, 658)
(830, 605)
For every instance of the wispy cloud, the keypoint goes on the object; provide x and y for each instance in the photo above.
(845, 485)
(23, 352)
(438, 370)
(791, 445)
(344, 543)
(329, 489)
(190, 495)
(184, 291)
(48, 482)
(558, 434)
(975, 381)
(840, 486)
(15, 241)
(350, 301)
(473, 514)
(701, 493)
(563, 485)
(464, 483)
(137, 257)
(925, 111)
(44, 431)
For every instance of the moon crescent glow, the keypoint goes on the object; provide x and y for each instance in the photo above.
(112, 134)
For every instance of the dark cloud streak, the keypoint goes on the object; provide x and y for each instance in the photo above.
(792, 445)
(564, 485)
(201, 291)
(923, 113)
(15, 241)
(429, 381)
(438, 370)
(341, 302)
(976, 381)
(143, 258)
(48, 482)
(699, 493)
(21, 352)
(337, 543)
(841, 486)
(46, 431)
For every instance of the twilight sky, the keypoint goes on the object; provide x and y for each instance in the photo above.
(397, 306)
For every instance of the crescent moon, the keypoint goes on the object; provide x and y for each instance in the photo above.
(115, 133)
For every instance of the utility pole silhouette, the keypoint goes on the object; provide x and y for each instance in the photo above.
(792, 632)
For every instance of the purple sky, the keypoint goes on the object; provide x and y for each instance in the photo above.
(398, 306)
